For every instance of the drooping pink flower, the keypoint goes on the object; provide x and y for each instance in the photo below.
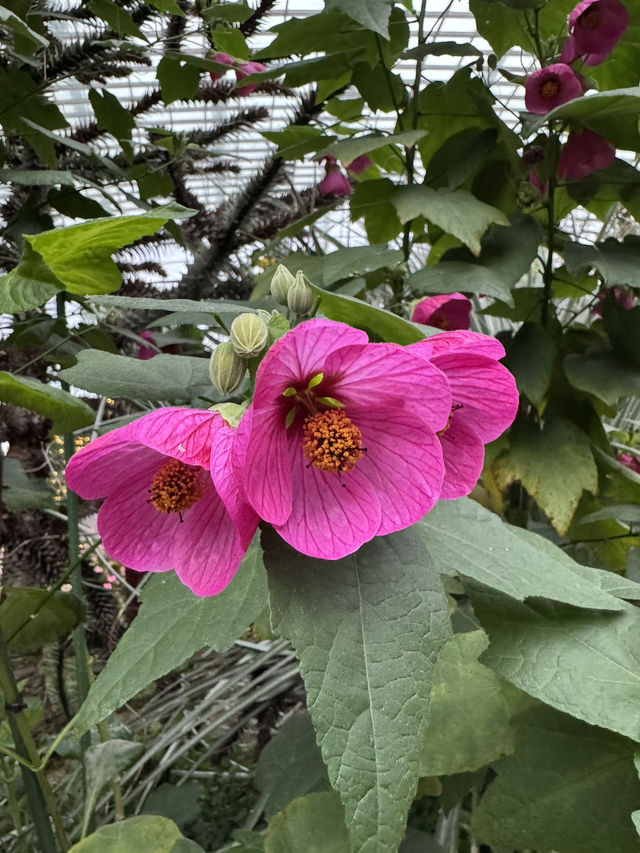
(222, 59)
(170, 500)
(358, 166)
(244, 70)
(339, 444)
(583, 153)
(595, 28)
(631, 461)
(334, 181)
(484, 402)
(551, 86)
(624, 296)
(445, 311)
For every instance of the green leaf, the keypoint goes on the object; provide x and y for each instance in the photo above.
(20, 492)
(367, 630)
(603, 375)
(290, 765)
(617, 262)
(629, 513)
(67, 412)
(457, 740)
(348, 149)
(457, 276)
(596, 109)
(177, 802)
(113, 117)
(358, 260)
(102, 762)
(622, 325)
(457, 212)
(569, 786)
(554, 464)
(165, 377)
(28, 285)
(141, 834)
(116, 17)
(372, 14)
(599, 679)
(231, 12)
(20, 28)
(442, 48)
(530, 357)
(375, 321)
(313, 824)
(147, 303)
(373, 200)
(464, 538)
(80, 255)
(171, 625)
(178, 79)
(460, 156)
(36, 177)
(31, 617)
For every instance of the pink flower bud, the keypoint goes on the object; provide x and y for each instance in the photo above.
(550, 87)
(583, 153)
(245, 70)
(223, 59)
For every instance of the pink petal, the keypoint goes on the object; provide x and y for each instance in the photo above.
(405, 457)
(368, 376)
(463, 453)
(331, 516)
(335, 183)
(107, 462)
(459, 340)
(485, 389)
(446, 311)
(299, 355)
(207, 549)
(184, 434)
(222, 474)
(261, 458)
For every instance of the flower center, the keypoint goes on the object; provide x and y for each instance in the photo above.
(549, 89)
(440, 322)
(591, 19)
(331, 441)
(175, 487)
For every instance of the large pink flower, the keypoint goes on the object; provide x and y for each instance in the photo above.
(484, 402)
(171, 502)
(583, 153)
(595, 28)
(334, 181)
(551, 86)
(340, 442)
(445, 311)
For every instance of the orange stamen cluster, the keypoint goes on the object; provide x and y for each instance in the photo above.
(549, 89)
(175, 487)
(332, 442)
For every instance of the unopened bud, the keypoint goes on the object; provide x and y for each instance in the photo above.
(226, 369)
(300, 297)
(281, 284)
(248, 335)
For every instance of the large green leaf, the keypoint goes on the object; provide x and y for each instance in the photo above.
(102, 762)
(457, 740)
(66, 411)
(465, 538)
(554, 464)
(367, 630)
(357, 260)
(618, 262)
(171, 625)
(141, 834)
(313, 824)
(165, 377)
(373, 201)
(585, 663)
(457, 276)
(457, 212)
(28, 285)
(348, 149)
(530, 357)
(80, 255)
(603, 375)
(20, 492)
(372, 14)
(290, 765)
(31, 617)
(569, 786)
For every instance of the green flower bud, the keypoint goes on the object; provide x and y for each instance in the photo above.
(248, 335)
(281, 284)
(226, 369)
(300, 297)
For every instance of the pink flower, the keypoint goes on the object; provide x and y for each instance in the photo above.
(631, 461)
(145, 353)
(583, 153)
(551, 86)
(624, 296)
(222, 59)
(340, 442)
(484, 402)
(171, 502)
(535, 181)
(595, 28)
(334, 182)
(446, 311)
(358, 166)
(245, 70)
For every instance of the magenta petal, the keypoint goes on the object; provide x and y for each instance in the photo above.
(463, 453)
(208, 551)
(332, 516)
(459, 340)
(184, 434)
(108, 462)
(299, 355)
(263, 464)
(133, 531)
(368, 376)
(406, 458)
(445, 311)
(484, 389)
(222, 474)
